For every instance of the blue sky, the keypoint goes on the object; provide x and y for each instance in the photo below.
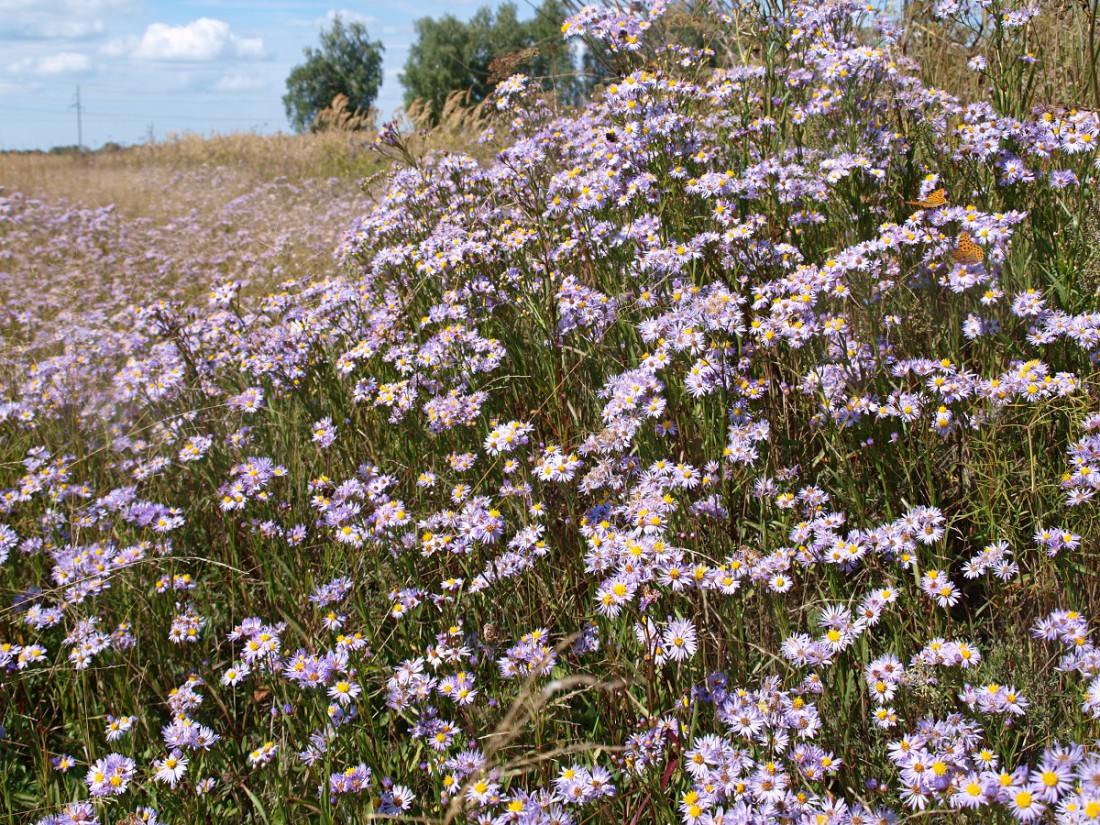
(192, 65)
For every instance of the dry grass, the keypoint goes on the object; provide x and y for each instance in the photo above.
(135, 179)
(1064, 38)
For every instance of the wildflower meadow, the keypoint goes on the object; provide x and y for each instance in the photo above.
(722, 450)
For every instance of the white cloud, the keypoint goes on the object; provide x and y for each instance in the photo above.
(119, 46)
(64, 63)
(53, 64)
(200, 41)
(7, 88)
(347, 17)
(59, 19)
(63, 6)
(239, 83)
(54, 29)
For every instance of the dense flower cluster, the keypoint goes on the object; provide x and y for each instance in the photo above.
(723, 451)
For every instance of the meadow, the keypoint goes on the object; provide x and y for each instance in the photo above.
(724, 450)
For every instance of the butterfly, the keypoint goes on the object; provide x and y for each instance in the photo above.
(934, 200)
(966, 251)
(490, 633)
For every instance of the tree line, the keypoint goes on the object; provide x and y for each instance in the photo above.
(448, 55)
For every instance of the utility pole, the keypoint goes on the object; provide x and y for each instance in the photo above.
(79, 121)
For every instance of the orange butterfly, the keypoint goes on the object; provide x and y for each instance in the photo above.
(934, 200)
(967, 252)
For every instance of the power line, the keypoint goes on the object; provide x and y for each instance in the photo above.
(79, 120)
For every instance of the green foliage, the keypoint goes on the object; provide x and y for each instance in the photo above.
(450, 55)
(347, 63)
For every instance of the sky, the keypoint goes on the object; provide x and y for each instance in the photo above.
(153, 67)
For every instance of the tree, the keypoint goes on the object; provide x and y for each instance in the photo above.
(556, 62)
(348, 62)
(450, 55)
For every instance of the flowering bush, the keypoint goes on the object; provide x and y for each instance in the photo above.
(724, 451)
